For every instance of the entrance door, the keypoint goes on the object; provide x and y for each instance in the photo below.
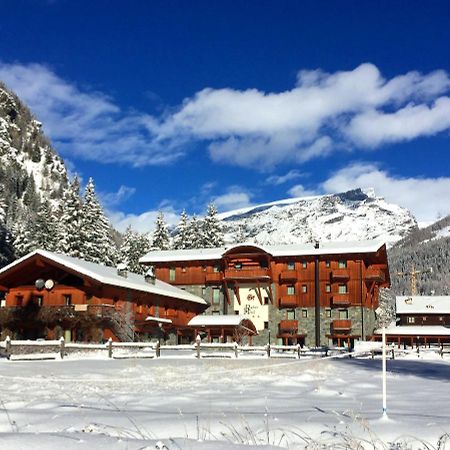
(67, 335)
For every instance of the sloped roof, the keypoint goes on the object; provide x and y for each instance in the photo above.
(416, 330)
(423, 304)
(108, 275)
(325, 248)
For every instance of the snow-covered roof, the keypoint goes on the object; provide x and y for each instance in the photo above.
(416, 330)
(423, 304)
(218, 320)
(203, 254)
(157, 319)
(109, 276)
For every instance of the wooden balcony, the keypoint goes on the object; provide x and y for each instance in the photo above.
(340, 274)
(374, 275)
(250, 273)
(341, 325)
(341, 300)
(214, 277)
(288, 276)
(288, 301)
(288, 326)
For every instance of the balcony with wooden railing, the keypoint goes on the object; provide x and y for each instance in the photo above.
(340, 274)
(288, 326)
(288, 301)
(341, 300)
(341, 326)
(248, 273)
(288, 276)
(374, 275)
(214, 277)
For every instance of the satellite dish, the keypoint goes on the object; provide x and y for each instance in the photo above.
(49, 284)
(40, 283)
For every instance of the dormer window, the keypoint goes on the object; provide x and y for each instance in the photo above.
(291, 265)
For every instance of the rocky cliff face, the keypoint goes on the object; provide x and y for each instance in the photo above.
(353, 215)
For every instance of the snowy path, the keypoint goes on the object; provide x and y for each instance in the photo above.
(135, 403)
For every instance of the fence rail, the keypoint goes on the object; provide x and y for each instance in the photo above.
(27, 349)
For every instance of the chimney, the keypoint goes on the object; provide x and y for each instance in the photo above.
(150, 275)
(122, 270)
(316, 244)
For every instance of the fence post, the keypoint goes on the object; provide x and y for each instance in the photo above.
(235, 349)
(61, 347)
(110, 348)
(298, 351)
(8, 346)
(268, 350)
(198, 340)
(158, 350)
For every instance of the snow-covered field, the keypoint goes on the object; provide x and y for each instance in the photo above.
(186, 403)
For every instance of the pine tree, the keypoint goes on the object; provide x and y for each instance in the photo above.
(134, 246)
(23, 241)
(181, 240)
(212, 230)
(45, 228)
(161, 235)
(70, 240)
(96, 231)
(386, 310)
(195, 233)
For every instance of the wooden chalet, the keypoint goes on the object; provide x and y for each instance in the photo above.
(48, 295)
(314, 294)
(420, 320)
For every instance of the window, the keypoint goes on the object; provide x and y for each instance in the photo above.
(328, 288)
(304, 288)
(342, 289)
(216, 296)
(291, 265)
(328, 312)
(304, 313)
(266, 300)
(183, 269)
(304, 264)
(38, 300)
(203, 292)
(215, 313)
(236, 312)
(204, 268)
(342, 264)
(238, 266)
(19, 300)
(424, 318)
(411, 320)
(343, 314)
(328, 264)
(291, 290)
(290, 314)
(264, 264)
(67, 299)
(266, 325)
(216, 268)
(172, 274)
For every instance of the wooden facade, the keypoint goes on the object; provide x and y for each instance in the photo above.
(87, 302)
(296, 285)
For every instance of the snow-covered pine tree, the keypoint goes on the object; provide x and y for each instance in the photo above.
(386, 309)
(181, 239)
(70, 241)
(96, 231)
(134, 246)
(195, 233)
(23, 242)
(212, 229)
(161, 239)
(6, 250)
(45, 228)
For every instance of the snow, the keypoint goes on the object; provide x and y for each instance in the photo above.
(423, 304)
(109, 276)
(221, 404)
(416, 330)
(208, 320)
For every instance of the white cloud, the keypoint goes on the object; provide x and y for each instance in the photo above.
(321, 114)
(110, 199)
(236, 197)
(83, 123)
(426, 198)
(281, 179)
(299, 191)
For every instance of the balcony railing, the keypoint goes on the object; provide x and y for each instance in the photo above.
(342, 325)
(214, 277)
(374, 275)
(340, 274)
(248, 273)
(288, 326)
(287, 301)
(341, 300)
(288, 275)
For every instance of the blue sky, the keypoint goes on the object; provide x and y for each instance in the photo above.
(172, 104)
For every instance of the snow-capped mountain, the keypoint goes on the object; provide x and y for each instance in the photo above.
(352, 215)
